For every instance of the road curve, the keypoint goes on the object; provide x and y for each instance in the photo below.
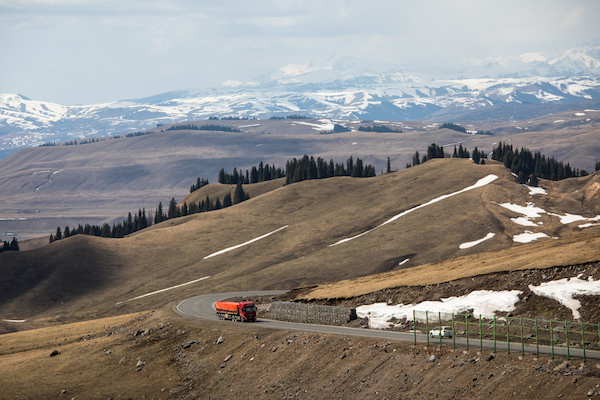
(203, 307)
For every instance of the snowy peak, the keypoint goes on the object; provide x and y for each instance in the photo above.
(586, 56)
(21, 112)
(341, 88)
(344, 71)
(580, 60)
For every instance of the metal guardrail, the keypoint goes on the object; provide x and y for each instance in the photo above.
(525, 334)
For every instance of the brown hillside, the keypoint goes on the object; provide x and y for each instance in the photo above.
(218, 191)
(578, 249)
(51, 186)
(159, 355)
(88, 276)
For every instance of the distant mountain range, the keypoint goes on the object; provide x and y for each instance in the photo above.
(500, 88)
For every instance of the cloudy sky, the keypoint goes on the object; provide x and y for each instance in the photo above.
(92, 51)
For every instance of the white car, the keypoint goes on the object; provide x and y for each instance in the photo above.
(443, 331)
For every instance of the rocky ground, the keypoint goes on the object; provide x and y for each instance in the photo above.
(530, 305)
(161, 355)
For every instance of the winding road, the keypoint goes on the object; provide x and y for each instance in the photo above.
(203, 307)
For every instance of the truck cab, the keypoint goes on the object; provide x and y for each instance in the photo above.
(247, 311)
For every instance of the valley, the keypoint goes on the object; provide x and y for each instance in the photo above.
(299, 200)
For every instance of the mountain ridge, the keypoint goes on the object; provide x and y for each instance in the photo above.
(346, 89)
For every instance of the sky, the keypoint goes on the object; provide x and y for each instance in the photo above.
(95, 51)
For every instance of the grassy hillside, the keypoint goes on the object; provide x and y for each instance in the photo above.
(46, 187)
(84, 277)
(573, 250)
(218, 191)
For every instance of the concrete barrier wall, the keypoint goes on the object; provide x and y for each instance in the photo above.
(311, 313)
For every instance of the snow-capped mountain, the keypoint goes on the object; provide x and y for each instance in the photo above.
(578, 59)
(346, 88)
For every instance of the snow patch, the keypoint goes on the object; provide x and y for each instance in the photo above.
(523, 221)
(536, 190)
(569, 218)
(245, 243)
(587, 225)
(563, 291)
(580, 114)
(559, 120)
(483, 302)
(529, 236)
(326, 125)
(476, 242)
(164, 290)
(530, 210)
(249, 126)
(14, 320)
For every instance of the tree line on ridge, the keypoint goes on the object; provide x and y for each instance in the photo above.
(527, 166)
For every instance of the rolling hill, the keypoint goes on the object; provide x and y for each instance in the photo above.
(46, 187)
(287, 237)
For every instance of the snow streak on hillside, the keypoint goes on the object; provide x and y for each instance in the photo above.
(531, 213)
(482, 182)
(244, 244)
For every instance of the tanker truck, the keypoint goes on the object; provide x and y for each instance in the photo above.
(236, 311)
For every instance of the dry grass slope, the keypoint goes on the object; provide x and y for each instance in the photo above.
(85, 277)
(103, 181)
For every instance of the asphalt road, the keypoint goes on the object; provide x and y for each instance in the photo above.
(203, 307)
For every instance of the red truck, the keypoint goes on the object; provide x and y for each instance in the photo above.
(236, 311)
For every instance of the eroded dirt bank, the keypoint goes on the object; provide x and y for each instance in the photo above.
(161, 355)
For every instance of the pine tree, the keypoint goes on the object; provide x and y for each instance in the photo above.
(172, 212)
(533, 181)
(416, 160)
(58, 235)
(14, 245)
(239, 195)
(184, 209)
(128, 225)
(227, 201)
(476, 156)
(105, 231)
(158, 216)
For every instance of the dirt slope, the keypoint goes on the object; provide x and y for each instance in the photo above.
(159, 355)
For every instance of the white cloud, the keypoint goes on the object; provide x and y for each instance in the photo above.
(145, 47)
(573, 17)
